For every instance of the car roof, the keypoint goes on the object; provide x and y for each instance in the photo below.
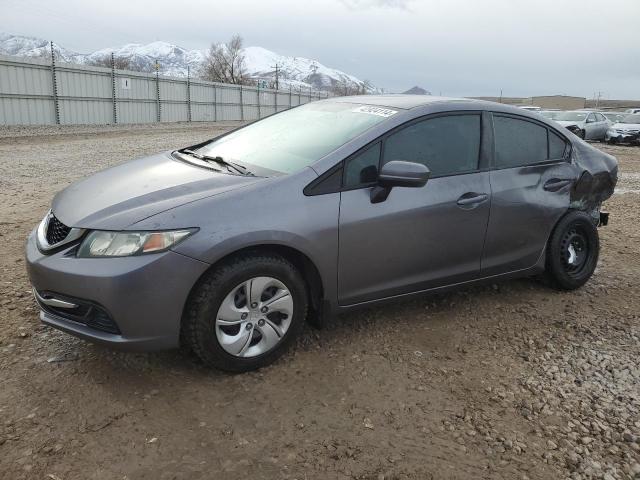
(401, 101)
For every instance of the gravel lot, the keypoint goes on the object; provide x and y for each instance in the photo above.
(510, 381)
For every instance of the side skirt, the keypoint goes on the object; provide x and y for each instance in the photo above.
(537, 269)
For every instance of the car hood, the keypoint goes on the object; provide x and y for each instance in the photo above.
(566, 123)
(117, 197)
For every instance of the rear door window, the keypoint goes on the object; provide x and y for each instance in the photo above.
(518, 142)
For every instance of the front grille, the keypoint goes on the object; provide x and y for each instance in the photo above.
(56, 230)
(87, 313)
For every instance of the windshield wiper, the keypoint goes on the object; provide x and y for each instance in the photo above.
(242, 170)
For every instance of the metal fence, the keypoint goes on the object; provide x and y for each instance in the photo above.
(44, 92)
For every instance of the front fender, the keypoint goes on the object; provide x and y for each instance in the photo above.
(267, 213)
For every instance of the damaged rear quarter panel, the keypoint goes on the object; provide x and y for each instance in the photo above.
(595, 176)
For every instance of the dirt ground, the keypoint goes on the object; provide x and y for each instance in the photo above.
(507, 381)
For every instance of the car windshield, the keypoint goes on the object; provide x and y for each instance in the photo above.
(296, 138)
(571, 116)
(549, 114)
(635, 118)
(615, 117)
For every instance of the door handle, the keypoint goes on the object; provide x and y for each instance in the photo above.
(471, 199)
(555, 184)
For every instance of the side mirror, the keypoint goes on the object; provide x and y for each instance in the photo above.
(398, 173)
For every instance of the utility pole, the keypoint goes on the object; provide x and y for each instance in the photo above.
(500, 95)
(598, 98)
(277, 71)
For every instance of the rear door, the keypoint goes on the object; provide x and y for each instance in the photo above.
(418, 238)
(530, 182)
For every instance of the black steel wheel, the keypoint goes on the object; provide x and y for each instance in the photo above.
(572, 251)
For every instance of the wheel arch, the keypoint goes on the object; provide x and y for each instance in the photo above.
(300, 260)
(568, 211)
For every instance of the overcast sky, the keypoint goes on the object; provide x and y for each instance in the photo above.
(453, 47)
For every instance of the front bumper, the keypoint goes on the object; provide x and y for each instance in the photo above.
(143, 296)
(619, 137)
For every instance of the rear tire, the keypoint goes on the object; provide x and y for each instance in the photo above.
(572, 251)
(267, 338)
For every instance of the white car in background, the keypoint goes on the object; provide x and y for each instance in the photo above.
(625, 131)
(615, 117)
(586, 125)
(550, 114)
(632, 110)
(530, 108)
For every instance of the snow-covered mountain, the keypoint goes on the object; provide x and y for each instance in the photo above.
(174, 60)
(21, 46)
(417, 91)
(260, 63)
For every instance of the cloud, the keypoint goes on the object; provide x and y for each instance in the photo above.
(366, 4)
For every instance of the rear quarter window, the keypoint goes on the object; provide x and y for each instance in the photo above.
(557, 146)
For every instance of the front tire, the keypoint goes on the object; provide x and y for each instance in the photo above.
(572, 252)
(246, 313)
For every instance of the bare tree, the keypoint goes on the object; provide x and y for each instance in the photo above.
(340, 89)
(120, 63)
(225, 63)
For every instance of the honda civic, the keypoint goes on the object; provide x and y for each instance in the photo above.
(229, 246)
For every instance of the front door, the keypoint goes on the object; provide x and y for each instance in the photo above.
(418, 238)
(595, 126)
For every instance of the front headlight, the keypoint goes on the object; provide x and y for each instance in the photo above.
(125, 244)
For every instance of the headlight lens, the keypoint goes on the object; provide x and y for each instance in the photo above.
(125, 244)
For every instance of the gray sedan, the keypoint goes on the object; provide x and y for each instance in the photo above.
(587, 125)
(229, 246)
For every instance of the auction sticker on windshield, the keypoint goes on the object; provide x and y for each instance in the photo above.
(381, 112)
